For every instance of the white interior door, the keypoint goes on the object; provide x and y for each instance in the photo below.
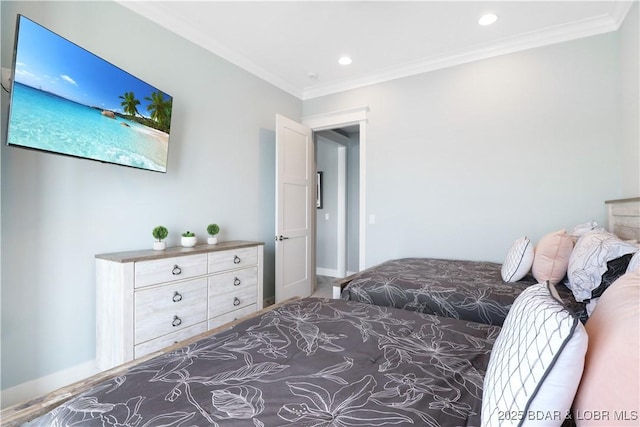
(295, 190)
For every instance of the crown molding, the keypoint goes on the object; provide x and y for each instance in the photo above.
(620, 11)
(545, 37)
(155, 12)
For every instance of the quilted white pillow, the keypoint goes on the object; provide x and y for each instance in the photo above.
(589, 259)
(518, 261)
(536, 362)
(551, 257)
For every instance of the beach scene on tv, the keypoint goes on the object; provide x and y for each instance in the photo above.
(67, 100)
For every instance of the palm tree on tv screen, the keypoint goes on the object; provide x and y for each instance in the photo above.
(130, 103)
(160, 109)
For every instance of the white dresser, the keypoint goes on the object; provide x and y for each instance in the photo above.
(147, 300)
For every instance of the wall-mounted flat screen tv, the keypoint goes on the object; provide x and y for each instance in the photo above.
(66, 100)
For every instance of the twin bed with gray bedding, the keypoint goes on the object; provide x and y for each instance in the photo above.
(468, 290)
(313, 362)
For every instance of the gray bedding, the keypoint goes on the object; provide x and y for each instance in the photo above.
(468, 290)
(313, 362)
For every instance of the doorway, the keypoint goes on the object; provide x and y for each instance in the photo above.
(337, 219)
(351, 120)
(292, 136)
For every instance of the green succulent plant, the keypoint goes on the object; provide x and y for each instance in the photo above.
(213, 229)
(160, 233)
(188, 234)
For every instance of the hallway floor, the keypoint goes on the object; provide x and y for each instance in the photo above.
(324, 288)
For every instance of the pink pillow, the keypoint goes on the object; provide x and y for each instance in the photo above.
(610, 380)
(551, 257)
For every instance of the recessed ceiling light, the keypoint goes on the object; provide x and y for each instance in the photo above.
(487, 19)
(345, 60)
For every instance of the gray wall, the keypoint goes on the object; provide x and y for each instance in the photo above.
(630, 93)
(58, 212)
(462, 161)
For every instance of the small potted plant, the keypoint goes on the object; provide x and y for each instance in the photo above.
(189, 239)
(160, 233)
(212, 229)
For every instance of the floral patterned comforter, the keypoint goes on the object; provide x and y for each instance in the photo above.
(469, 290)
(313, 362)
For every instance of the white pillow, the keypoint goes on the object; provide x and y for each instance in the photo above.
(536, 362)
(589, 258)
(582, 229)
(518, 261)
(634, 263)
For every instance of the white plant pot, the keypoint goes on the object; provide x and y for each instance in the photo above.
(212, 240)
(159, 246)
(188, 242)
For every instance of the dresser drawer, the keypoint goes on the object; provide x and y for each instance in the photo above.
(169, 339)
(169, 308)
(230, 317)
(169, 269)
(236, 258)
(230, 301)
(233, 281)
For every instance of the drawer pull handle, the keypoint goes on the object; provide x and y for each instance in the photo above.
(236, 301)
(236, 282)
(236, 259)
(176, 297)
(176, 270)
(176, 321)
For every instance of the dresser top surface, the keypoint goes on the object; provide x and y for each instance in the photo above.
(150, 254)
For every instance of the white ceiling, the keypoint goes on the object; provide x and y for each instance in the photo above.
(282, 42)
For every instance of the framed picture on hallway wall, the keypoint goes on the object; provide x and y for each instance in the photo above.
(319, 190)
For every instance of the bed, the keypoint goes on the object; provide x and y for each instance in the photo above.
(302, 363)
(477, 291)
(324, 362)
(461, 289)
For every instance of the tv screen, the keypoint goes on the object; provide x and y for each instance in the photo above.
(66, 100)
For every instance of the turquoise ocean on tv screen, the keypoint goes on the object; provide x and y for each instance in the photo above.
(45, 121)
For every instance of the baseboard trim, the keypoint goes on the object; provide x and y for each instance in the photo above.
(329, 272)
(43, 385)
